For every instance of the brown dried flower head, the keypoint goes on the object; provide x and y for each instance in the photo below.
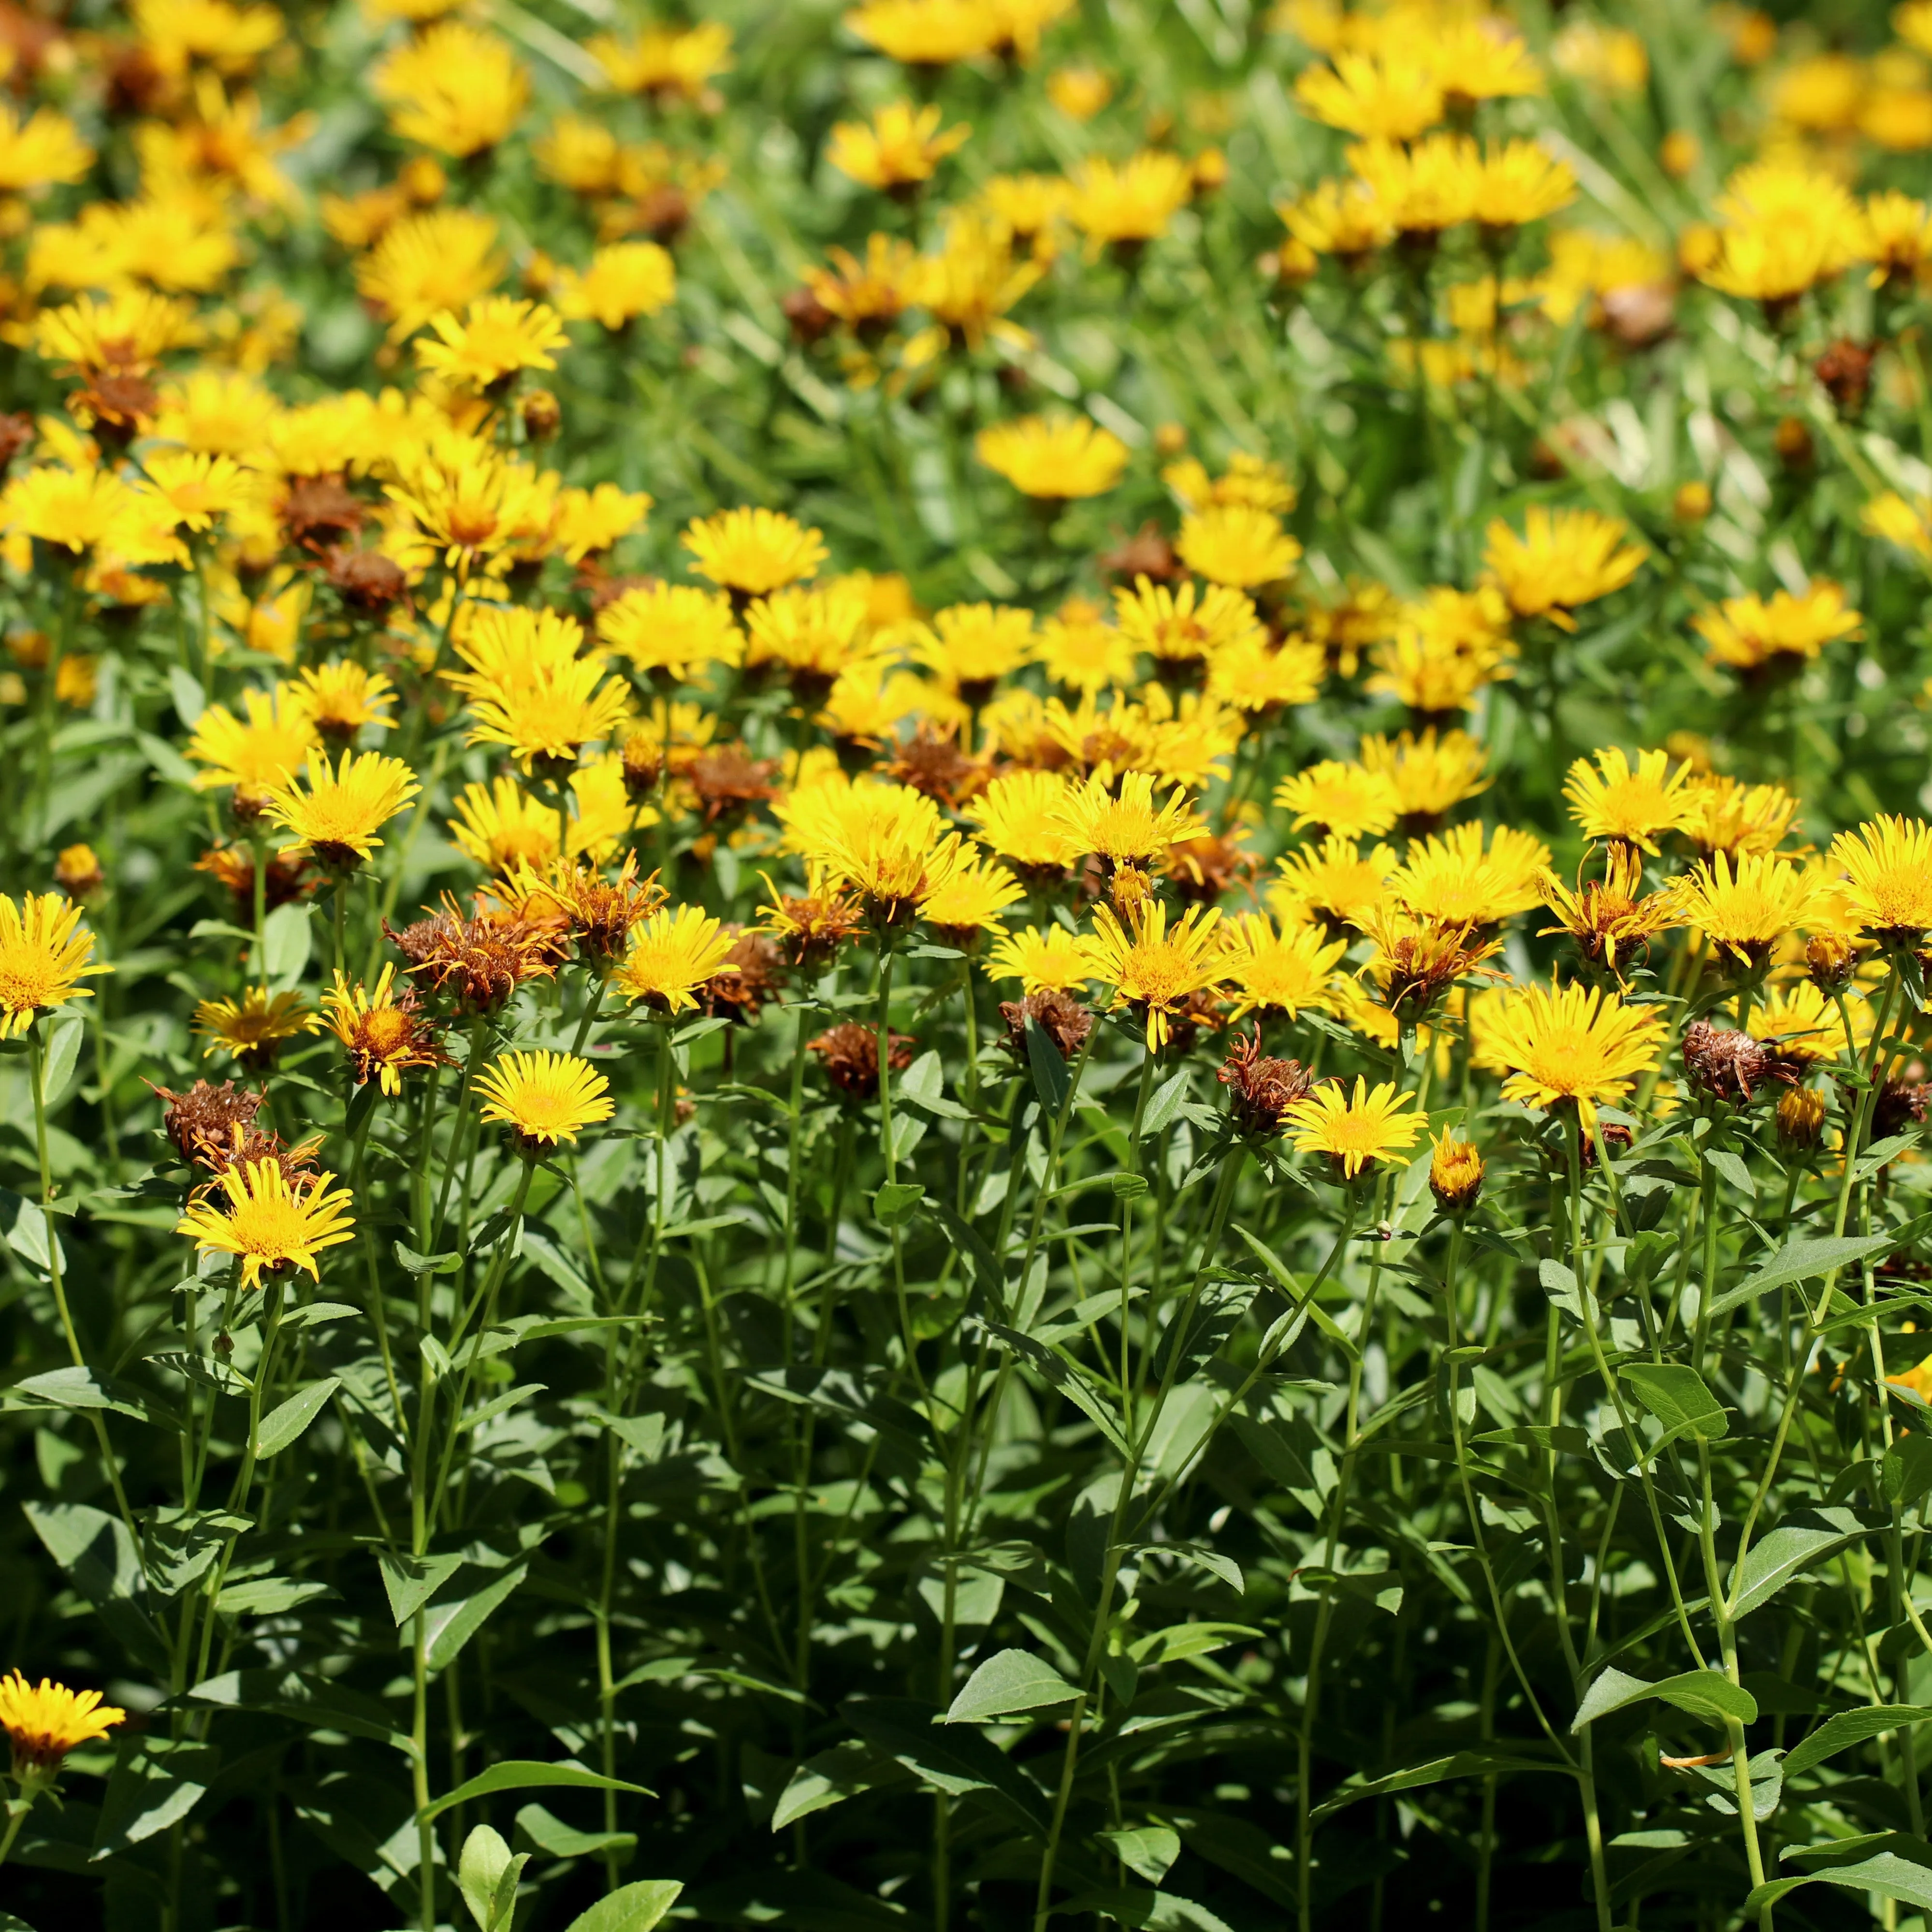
(752, 975)
(851, 1055)
(287, 878)
(1201, 870)
(475, 963)
(1729, 1065)
(368, 583)
(729, 782)
(932, 762)
(1260, 1088)
(315, 512)
(205, 1114)
(1063, 1020)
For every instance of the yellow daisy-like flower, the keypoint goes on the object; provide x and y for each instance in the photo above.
(1022, 815)
(1053, 458)
(1907, 524)
(467, 504)
(753, 552)
(337, 813)
(1189, 624)
(1236, 545)
(268, 1224)
(1432, 774)
(816, 634)
(47, 1720)
(1887, 863)
(1612, 800)
(900, 147)
(1356, 1130)
(342, 699)
(1804, 1023)
(1335, 883)
(1372, 96)
(1728, 816)
(1278, 973)
(544, 1098)
(255, 752)
(494, 339)
(43, 957)
(969, 900)
(1077, 649)
(200, 488)
(1047, 959)
(1125, 827)
(1130, 203)
(1518, 181)
(971, 647)
(1261, 678)
(1152, 969)
(671, 632)
(1613, 918)
(504, 827)
(888, 843)
(625, 280)
(1345, 801)
(1346, 219)
(1451, 881)
(1751, 633)
(1746, 906)
(44, 149)
(1569, 1045)
(671, 955)
(442, 258)
(1427, 187)
(252, 1027)
(456, 89)
(1563, 558)
(925, 33)
(385, 1034)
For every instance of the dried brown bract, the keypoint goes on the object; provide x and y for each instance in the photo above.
(932, 762)
(1201, 870)
(476, 963)
(1729, 1065)
(368, 583)
(286, 879)
(752, 976)
(316, 510)
(1260, 1088)
(205, 1113)
(1901, 1104)
(729, 782)
(1059, 1016)
(1146, 554)
(851, 1055)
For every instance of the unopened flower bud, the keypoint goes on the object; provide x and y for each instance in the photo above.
(644, 761)
(1455, 1174)
(77, 871)
(543, 416)
(1831, 959)
(1692, 503)
(1800, 1117)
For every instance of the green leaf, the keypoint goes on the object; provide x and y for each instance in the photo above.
(1148, 1852)
(1158, 1911)
(1704, 1694)
(1127, 1187)
(631, 1908)
(282, 1426)
(81, 1389)
(487, 1876)
(451, 1625)
(550, 1833)
(1804, 1539)
(1676, 1395)
(303, 1700)
(411, 1581)
(950, 1759)
(1559, 1283)
(525, 1774)
(98, 1557)
(1009, 1680)
(893, 1204)
(1437, 1771)
(1852, 1727)
(1051, 1077)
(1183, 1640)
(286, 938)
(1164, 1106)
(1733, 1170)
(1901, 1869)
(155, 1784)
(1800, 1261)
(832, 1777)
(1905, 1472)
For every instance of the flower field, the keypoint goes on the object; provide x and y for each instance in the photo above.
(964, 963)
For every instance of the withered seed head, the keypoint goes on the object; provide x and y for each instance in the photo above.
(851, 1055)
(1059, 1016)
(1260, 1088)
(205, 1114)
(1729, 1065)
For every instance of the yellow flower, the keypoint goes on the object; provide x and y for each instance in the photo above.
(1236, 545)
(544, 1098)
(1804, 1023)
(1787, 227)
(671, 62)
(925, 33)
(259, 752)
(1745, 906)
(268, 1224)
(817, 634)
(1517, 181)
(887, 843)
(1255, 675)
(624, 281)
(588, 522)
(1344, 218)
(902, 147)
(1355, 1130)
(455, 88)
(78, 510)
(495, 337)
(1022, 815)
(1278, 973)
(1131, 203)
(466, 504)
(1479, 58)
(425, 263)
(1569, 1045)
(1335, 883)
(252, 1027)
(1726, 816)
(1427, 187)
(1077, 649)
(671, 955)
(1611, 919)
(230, 37)
(1187, 625)
(1432, 774)
(341, 699)
(1125, 827)
(1887, 863)
(1909, 525)
(199, 488)
(45, 1721)
(753, 552)
(1898, 237)
(1044, 960)
(529, 690)
(1455, 1174)
(40, 151)
(1451, 881)
(1152, 970)
(1749, 633)
(1563, 559)
(1635, 806)
(1079, 92)
(385, 1034)
(503, 827)
(124, 334)
(43, 958)
(1252, 480)
(1344, 800)
(337, 814)
(1053, 458)
(969, 900)
(674, 629)
(1369, 96)
(971, 647)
